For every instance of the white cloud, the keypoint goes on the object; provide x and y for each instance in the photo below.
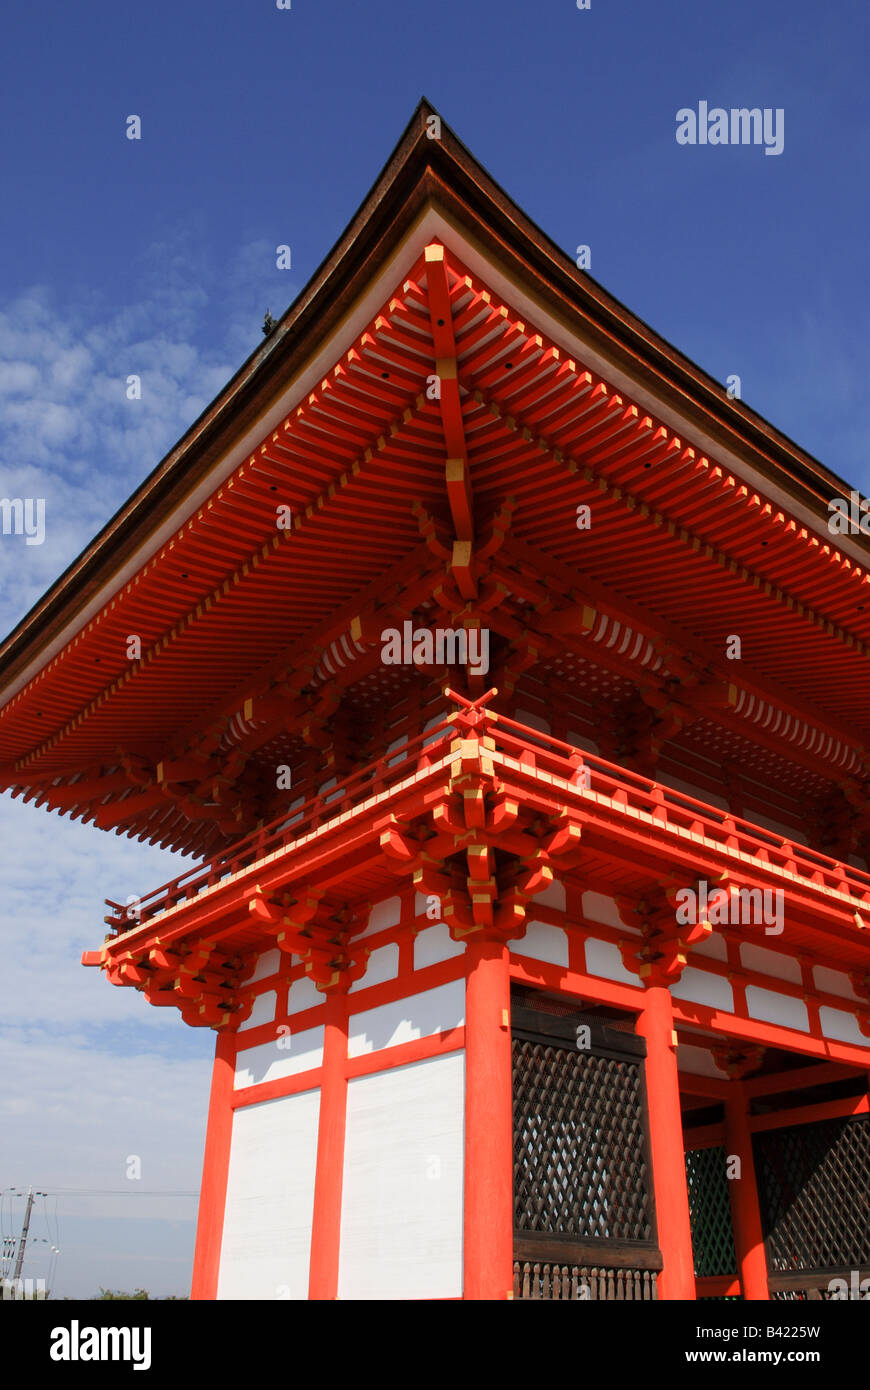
(68, 432)
(91, 1074)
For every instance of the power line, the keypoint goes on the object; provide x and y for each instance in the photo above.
(130, 1191)
(116, 1192)
(51, 1221)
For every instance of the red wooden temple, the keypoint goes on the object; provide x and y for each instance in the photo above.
(503, 678)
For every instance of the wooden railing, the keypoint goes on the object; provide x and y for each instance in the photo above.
(527, 751)
(628, 789)
(816, 1284)
(562, 1270)
(289, 827)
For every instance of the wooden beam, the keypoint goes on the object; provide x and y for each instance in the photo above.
(818, 1075)
(811, 1114)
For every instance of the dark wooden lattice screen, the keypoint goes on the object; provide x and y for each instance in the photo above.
(583, 1217)
(814, 1190)
(710, 1212)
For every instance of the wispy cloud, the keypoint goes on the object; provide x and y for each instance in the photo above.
(91, 1074)
(69, 433)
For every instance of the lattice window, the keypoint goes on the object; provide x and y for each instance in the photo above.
(814, 1188)
(710, 1212)
(583, 1216)
(579, 1160)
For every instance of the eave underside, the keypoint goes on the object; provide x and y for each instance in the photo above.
(450, 504)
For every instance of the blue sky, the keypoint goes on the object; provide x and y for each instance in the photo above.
(157, 257)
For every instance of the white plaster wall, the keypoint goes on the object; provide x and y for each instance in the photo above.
(434, 944)
(287, 1055)
(766, 962)
(698, 1061)
(605, 959)
(382, 965)
(714, 946)
(267, 964)
(702, 987)
(262, 1010)
(542, 942)
(303, 994)
(597, 907)
(266, 1242)
(401, 1214)
(833, 981)
(552, 896)
(383, 914)
(417, 1016)
(770, 1007)
(842, 1027)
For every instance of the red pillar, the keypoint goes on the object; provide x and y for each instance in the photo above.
(743, 1192)
(656, 1025)
(488, 1226)
(216, 1162)
(326, 1225)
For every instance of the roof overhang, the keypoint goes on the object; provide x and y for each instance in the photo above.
(428, 188)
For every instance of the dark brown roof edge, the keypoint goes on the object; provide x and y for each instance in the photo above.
(418, 169)
(646, 352)
(244, 398)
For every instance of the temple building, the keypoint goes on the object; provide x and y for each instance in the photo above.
(502, 676)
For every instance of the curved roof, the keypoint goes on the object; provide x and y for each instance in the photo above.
(550, 396)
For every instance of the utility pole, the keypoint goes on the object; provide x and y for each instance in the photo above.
(23, 1237)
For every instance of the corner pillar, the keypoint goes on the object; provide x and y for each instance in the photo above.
(489, 1204)
(215, 1167)
(326, 1222)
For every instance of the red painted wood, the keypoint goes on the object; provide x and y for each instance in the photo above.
(704, 1137)
(488, 1223)
(770, 1034)
(213, 1191)
(438, 1045)
(655, 1024)
(575, 982)
(811, 1114)
(743, 1195)
(718, 1286)
(604, 831)
(518, 421)
(326, 1227)
(382, 1060)
(271, 1090)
